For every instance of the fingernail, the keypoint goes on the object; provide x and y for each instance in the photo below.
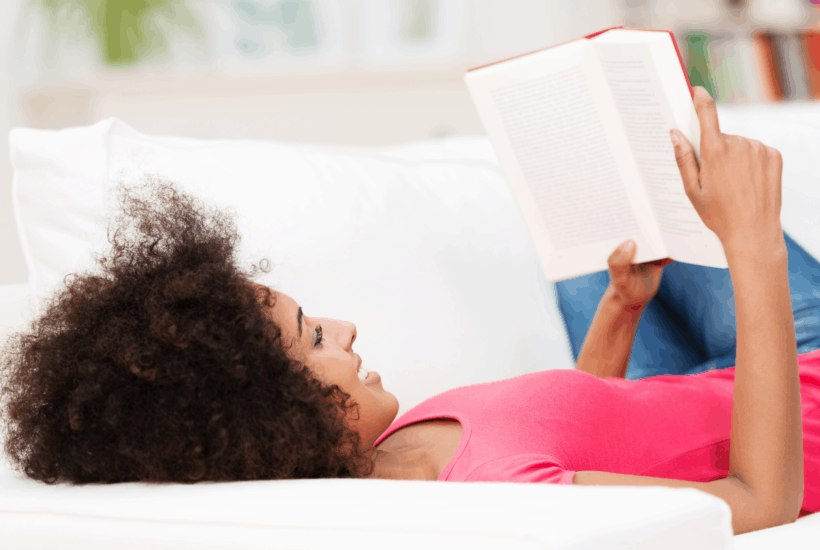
(675, 138)
(627, 246)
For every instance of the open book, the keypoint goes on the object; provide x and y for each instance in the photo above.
(582, 133)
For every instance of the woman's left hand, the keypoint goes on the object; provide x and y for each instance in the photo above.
(634, 285)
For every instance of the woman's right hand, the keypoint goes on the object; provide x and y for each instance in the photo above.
(736, 188)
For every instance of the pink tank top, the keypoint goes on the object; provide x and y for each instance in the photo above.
(545, 426)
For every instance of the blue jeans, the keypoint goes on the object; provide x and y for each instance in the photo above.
(689, 326)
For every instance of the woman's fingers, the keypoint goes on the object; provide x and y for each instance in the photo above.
(620, 268)
(620, 261)
(690, 168)
(636, 284)
(707, 115)
(687, 162)
(735, 187)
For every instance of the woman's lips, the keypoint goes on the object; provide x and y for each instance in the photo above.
(361, 373)
(371, 376)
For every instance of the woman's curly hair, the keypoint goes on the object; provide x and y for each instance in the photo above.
(165, 366)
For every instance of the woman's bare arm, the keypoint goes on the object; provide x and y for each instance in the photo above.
(608, 342)
(767, 424)
(737, 194)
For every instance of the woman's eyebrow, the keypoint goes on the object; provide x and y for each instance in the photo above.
(299, 321)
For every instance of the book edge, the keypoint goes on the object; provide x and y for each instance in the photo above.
(543, 49)
(593, 35)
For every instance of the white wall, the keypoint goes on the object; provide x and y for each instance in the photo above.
(354, 107)
(12, 268)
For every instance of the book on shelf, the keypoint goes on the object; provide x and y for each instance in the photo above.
(788, 52)
(768, 74)
(733, 70)
(766, 66)
(811, 51)
(701, 65)
(581, 131)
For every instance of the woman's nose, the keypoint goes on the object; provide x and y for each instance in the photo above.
(353, 334)
(348, 334)
(345, 332)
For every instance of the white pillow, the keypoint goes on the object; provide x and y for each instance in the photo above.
(421, 246)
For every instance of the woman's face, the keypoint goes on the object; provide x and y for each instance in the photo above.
(325, 346)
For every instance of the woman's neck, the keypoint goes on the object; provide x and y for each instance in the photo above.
(414, 463)
(419, 451)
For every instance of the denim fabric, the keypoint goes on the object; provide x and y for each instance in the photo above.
(690, 325)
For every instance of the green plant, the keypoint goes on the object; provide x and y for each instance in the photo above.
(127, 31)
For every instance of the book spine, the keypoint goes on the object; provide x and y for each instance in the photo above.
(726, 71)
(791, 66)
(593, 35)
(746, 59)
(811, 51)
(700, 61)
(770, 86)
(682, 64)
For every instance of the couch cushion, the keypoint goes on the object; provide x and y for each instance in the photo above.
(422, 246)
(349, 514)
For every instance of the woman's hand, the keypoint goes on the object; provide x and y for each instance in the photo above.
(609, 340)
(736, 187)
(634, 285)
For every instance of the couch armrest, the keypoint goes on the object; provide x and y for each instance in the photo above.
(347, 513)
(802, 534)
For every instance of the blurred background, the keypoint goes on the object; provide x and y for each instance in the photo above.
(353, 72)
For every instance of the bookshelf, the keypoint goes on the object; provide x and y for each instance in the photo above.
(742, 51)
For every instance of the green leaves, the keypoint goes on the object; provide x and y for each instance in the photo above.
(126, 31)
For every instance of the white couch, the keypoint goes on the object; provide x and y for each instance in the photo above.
(438, 273)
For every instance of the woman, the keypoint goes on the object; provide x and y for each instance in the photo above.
(171, 365)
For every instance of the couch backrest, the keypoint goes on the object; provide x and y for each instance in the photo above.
(421, 246)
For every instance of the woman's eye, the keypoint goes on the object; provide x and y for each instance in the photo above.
(317, 339)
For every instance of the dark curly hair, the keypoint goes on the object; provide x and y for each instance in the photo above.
(163, 365)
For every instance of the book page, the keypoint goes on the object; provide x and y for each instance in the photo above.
(561, 147)
(565, 158)
(647, 116)
(647, 120)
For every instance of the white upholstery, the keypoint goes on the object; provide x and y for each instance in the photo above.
(352, 514)
(318, 514)
(421, 246)
(451, 253)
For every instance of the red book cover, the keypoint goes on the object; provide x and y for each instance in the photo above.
(671, 36)
(811, 50)
(767, 73)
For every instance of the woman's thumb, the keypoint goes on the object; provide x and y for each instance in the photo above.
(619, 261)
(687, 163)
